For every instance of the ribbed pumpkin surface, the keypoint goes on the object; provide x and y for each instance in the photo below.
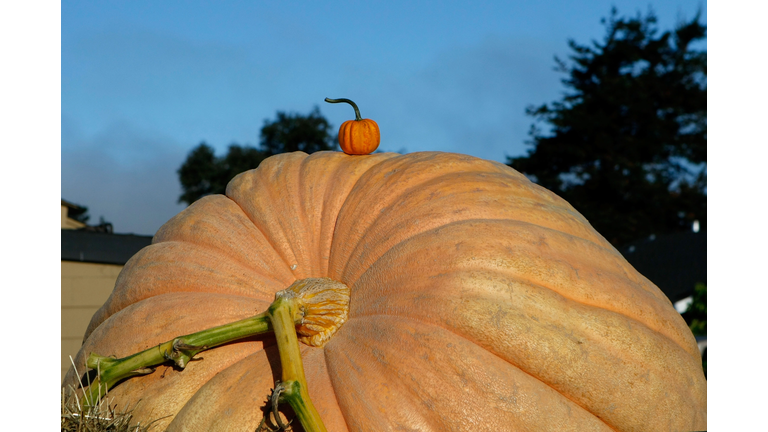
(479, 301)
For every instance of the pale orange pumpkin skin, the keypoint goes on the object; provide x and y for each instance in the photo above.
(359, 137)
(479, 301)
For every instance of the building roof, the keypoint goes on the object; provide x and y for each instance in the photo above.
(100, 247)
(68, 204)
(674, 262)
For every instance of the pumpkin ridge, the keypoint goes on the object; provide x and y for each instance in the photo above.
(492, 353)
(410, 390)
(381, 275)
(217, 252)
(351, 282)
(344, 205)
(333, 386)
(315, 262)
(311, 246)
(602, 344)
(594, 305)
(532, 283)
(586, 302)
(571, 221)
(163, 237)
(265, 178)
(450, 161)
(404, 192)
(325, 211)
(261, 230)
(127, 289)
(326, 180)
(235, 259)
(252, 271)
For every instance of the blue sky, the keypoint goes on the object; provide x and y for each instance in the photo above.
(142, 83)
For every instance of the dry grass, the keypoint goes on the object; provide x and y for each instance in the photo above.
(79, 416)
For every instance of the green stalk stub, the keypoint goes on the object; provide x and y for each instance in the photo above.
(323, 305)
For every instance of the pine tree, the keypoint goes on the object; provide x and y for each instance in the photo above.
(626, 145)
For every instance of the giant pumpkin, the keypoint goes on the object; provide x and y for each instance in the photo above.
(479, 301)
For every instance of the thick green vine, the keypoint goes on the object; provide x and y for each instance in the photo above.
(310, 310)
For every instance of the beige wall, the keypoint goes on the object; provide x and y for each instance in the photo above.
(84, 288)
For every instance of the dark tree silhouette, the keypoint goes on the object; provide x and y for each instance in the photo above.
(79, 213)
(203, 173)
(627, 143)
(294, 132)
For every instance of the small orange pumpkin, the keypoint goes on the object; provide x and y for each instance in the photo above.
(359, 136)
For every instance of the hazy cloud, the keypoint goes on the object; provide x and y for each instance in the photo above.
(124, 174)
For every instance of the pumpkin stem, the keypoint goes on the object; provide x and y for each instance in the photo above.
(310, 310)
(357, 111)
(323, 305)
(180, 351)
(293, 387)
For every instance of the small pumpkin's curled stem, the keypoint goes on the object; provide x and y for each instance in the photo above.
(357, 111)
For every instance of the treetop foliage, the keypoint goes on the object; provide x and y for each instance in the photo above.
(203, 173)
(294, 132)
